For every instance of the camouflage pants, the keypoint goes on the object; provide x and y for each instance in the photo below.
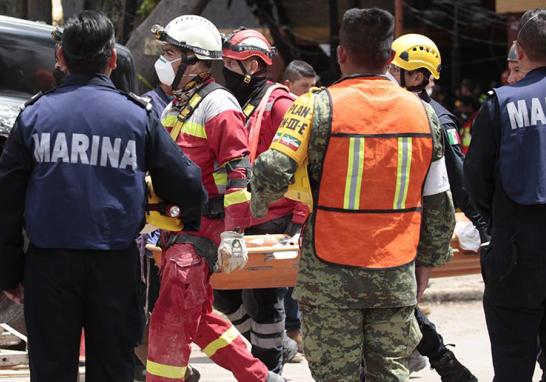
(336, 340)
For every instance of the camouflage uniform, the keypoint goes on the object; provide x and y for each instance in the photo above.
(349, 313)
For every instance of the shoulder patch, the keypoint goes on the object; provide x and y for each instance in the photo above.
(32, 99)
(36, 97)
(144, 102)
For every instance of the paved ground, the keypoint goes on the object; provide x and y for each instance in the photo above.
(460, 323)
(458, 316)
(463, 324)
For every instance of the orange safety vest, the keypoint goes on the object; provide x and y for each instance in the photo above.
(369, 199)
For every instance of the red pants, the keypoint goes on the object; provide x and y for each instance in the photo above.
(183, 314)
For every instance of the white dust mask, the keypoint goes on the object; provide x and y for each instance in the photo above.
(164, 70)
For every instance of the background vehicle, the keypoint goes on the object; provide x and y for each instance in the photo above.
(27, 60)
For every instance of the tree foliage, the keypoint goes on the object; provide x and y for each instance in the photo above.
(145, 8)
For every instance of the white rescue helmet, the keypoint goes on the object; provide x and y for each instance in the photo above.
(192, 33)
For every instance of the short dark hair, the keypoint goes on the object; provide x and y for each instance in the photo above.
(367, 36)
(297, 69)
(87, 42)
(532, 33)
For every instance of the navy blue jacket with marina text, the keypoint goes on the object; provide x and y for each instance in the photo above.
(522, 156)
(72, 171)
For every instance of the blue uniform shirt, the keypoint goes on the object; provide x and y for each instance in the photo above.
(159, 100)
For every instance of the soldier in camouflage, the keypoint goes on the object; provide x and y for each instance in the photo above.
(350, 313)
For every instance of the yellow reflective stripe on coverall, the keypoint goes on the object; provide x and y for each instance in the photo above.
(236, 197)
(225, 339)
(165, 371)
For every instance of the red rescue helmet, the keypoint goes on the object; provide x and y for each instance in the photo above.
(245, 43)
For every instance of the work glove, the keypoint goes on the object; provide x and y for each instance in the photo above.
(232, 252)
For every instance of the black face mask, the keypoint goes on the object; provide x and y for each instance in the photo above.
(240, 89)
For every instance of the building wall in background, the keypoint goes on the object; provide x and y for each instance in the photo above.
(519, 6)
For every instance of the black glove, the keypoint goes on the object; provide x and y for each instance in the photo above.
(292, 229)
(484, 236)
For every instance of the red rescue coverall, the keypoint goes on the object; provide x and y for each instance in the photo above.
(212, 136)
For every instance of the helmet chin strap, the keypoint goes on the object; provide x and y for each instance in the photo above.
(416, 88)
(184, 63)
(248, 76)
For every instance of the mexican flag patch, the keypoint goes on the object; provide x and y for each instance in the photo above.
(453, 137)
(290, 141)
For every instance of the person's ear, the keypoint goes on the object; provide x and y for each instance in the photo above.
(253, 66)
(393, 53)
(113, 60)
(61, 60)
(341, 54)
(520, 52)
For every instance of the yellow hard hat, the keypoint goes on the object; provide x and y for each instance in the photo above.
(415, 51)
(157, 213)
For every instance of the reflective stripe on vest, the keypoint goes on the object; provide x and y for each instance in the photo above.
(353, 184)
(369, 199)
(402, 173)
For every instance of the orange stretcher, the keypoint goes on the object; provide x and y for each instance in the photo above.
(272, 264)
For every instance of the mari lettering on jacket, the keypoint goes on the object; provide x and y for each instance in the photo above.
(524, 115)
(92, 150)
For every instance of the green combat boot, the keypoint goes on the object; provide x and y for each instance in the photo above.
(451, 370)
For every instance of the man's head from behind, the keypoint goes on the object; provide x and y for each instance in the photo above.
(299, 77)
(365, 40)
(88, 44)
(530, 41)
